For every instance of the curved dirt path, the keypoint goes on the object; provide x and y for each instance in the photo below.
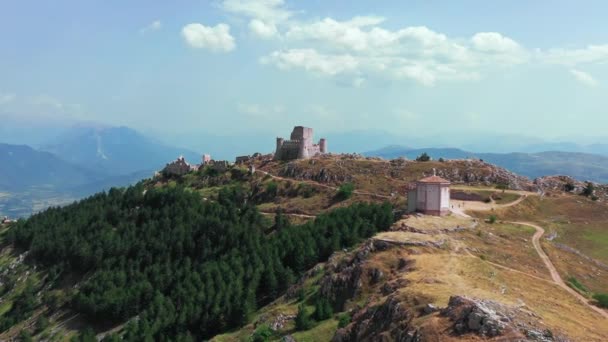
(459, 207)
(539, 231)
(288, 214)
(553, 271)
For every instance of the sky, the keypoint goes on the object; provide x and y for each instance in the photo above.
(236, 67)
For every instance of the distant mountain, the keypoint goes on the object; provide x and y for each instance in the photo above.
(23, 167)
(114, 150)
(582, 166)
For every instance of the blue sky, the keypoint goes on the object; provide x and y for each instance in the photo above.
(535, 68)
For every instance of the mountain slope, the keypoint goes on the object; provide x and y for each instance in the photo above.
(581, 166)
(114, 150)
(23, 167)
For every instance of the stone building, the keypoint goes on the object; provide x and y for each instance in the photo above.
(430, 196)
(179, 167)
(300, 145)
(206, 159)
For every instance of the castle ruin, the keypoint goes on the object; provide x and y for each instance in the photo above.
(300, 145)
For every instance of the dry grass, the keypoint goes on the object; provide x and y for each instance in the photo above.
(443, 275)
(435, 223)
(579, 223)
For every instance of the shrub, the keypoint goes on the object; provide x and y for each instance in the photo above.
(209, 171)
(306, 190)
(492, 219)
(441, 160)
(42, 323)
(602, 299)
(25, 336)
(343, 320)
(345, 191)
(262, 334)
(589, 189)
(301, 294)
(303, 321)
(594, 198)
(272, 188)
(424, 157)
(575, 284)
(569, 187)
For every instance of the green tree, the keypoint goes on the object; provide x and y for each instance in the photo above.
(303, 321)
(323, 309)
(424, 157)
(345, 191)
(589, 189)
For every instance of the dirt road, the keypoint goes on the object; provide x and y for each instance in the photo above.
(553, 271)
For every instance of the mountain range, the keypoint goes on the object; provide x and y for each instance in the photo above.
(88, 158)
(81, 161)
(582, 166)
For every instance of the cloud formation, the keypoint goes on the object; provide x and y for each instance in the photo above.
(154, 26)
(215, 38)
(263, 30)
(584, 78)
(6, 98)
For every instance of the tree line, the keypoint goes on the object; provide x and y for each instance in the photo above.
(179, 268)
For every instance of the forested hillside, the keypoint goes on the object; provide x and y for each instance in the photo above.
(171, 266)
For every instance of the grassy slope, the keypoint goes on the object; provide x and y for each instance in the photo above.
(579, 223)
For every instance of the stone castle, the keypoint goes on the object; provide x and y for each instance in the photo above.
(300, 145)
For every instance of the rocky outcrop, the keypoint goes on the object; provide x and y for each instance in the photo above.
(569, 184)
(472, 171)
(389, 321)
(477, 316)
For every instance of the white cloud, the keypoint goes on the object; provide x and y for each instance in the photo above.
(584, 78)
(47, 101)
(268, 11)
(215, 38)
(493, 42)
(571, 57)
(6, 98)
(262, 29)
(311, 60)
(154, 26)
(360, 48)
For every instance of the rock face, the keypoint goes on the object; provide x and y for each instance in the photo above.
(389, 321)
(347, 168)
(482, 317)
(346, 275)
(569, 184)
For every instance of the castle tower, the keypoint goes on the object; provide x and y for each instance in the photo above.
(277, 153)
(302, 149)
(323, 145)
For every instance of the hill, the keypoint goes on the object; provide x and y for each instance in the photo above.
(24, 167)
(114, 150)
(581, 166)
(309, 250)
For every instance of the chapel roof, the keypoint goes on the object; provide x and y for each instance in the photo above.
(433, 179)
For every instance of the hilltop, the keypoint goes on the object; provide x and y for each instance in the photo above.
(583, 166)
(290, 251)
